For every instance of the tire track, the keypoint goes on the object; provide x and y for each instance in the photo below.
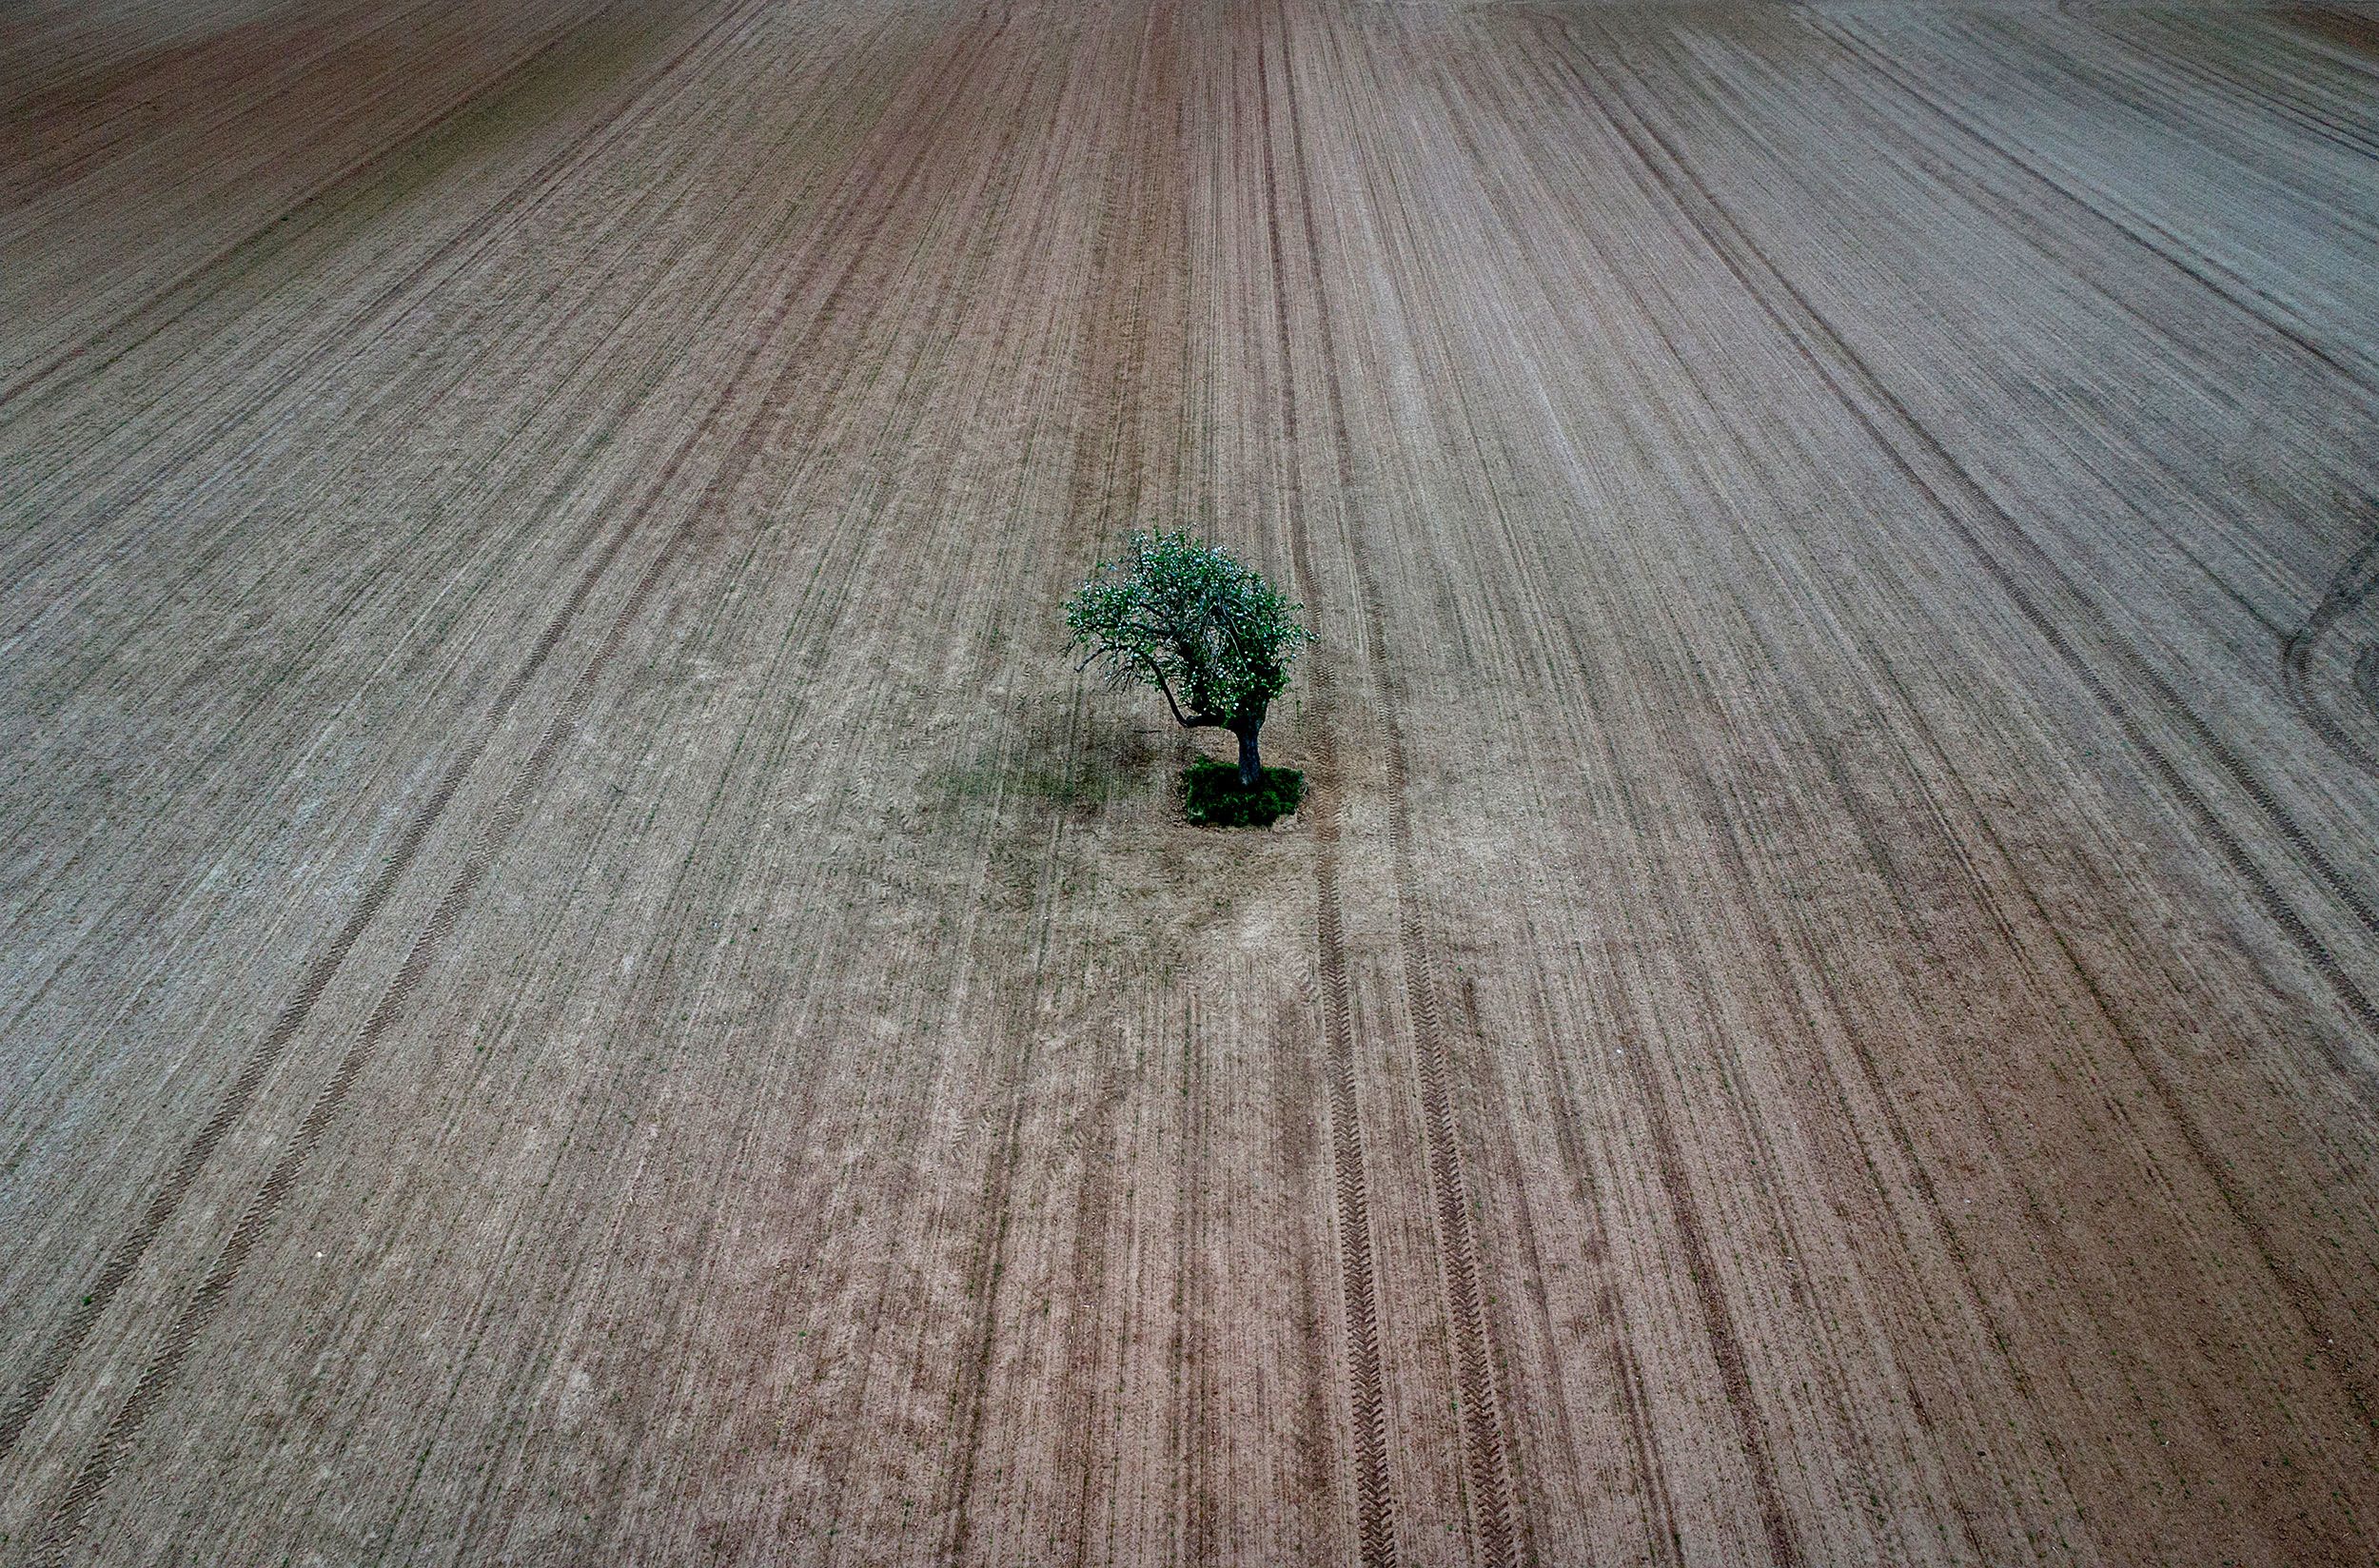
(2291, 1286)
(1531, 481)
(229, 731)
(1132, 298)
(269, 1051)
(988, 1264)
(2348, 38)
(1487, 1457)
(324, 625)
(322, 200)
(1842, 370)
(323, 194)
(1310, 1457)
(1482, 1405)
(2261, 87)
(1833, 1002)
(2352, 584)
(1088, 1338)
(1192, 1425)
(852, 539)
(464, 244)
(78, 132)
(1907, 443)
(1665, 1542)
(1375, 1500)
(1719, 1329)
(1996, 185)
(200, 1309)
(1778, 980)
(1138, 236)
(1374, 1493)
(987, 1259)
(261, 1061)
(843, 546)
(2147, 234)
(1718, 1318)
(1780, 976)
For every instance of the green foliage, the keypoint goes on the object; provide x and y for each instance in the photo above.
(1213, 795)
(1186, 617)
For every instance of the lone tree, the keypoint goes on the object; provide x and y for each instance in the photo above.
(1187, 618)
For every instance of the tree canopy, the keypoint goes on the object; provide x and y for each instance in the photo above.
(1190, 619)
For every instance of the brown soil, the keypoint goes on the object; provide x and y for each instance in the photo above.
(584, 983)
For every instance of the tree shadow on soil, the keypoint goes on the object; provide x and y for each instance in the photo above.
(1051, 763)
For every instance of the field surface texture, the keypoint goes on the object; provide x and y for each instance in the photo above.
(585, 983)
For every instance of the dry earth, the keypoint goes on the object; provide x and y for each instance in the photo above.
(582, 984)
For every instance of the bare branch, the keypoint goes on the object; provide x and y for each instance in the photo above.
(1202, 721)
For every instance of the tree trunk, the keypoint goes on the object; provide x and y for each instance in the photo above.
(1250, 766)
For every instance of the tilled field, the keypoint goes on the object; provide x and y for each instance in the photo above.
(584, 983)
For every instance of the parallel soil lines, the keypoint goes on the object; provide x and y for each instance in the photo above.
(1489, 1462)
(1375, 1504)
(586, 981)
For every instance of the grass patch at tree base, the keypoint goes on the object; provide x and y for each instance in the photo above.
(1213, 795)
